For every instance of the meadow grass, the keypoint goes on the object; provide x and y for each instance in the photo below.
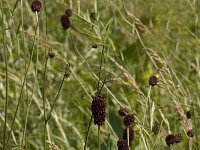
(49, 76)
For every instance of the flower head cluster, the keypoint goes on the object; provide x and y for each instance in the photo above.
(128, 119)
(172, 139)
(98, 109)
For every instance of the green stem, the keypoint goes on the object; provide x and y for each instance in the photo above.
(23, 84)
(33, 88)
(99, 75)
(45, 10)
(128, 136)
(49, 114)
(43, 99)
(88, 131)
(149, 106)
(99, 137)
(6, 65)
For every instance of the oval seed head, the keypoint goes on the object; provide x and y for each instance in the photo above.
(51, 54)
(153, 80)
(65, 22)
(94, 45)
(128, 120)
(189, 114)
(170, 139)
(123, 112)
(122, 144)
(68, 12)
(179, 138)
(190, 133)
(98, 109)
(36, 6)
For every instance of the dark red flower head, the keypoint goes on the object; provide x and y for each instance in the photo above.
(153, 80)
(94, 45)
(36, 6)
(170, 139)
(128, 120)
(189, 114)
(131, 134)
(68, 12)
(122, 145)
(179, 138)
(51, 54)
(123, 112)
(65, 22)
(190, 133)
(98, 109)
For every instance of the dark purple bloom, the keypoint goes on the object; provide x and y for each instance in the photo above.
(65, 22)
(94, 45)
(189, 114)
(170, 139)
(68, 12)
(153, 80)
(36, 6)
(128, 120)
(123, 112)
(98, 109)
(51, 54)
(190, 133)
(179, 138)
(122, 145)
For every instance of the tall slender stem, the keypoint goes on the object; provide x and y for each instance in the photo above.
(23, 84)
(88, 131)
(45, 70)
(43, 100)
(6, 66)
(99, 137)
(49, 114)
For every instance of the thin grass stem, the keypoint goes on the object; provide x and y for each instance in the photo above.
(88, 131)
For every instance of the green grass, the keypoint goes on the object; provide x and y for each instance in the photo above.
(136, 39)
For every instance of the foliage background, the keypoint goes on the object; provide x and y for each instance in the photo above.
(141, 38)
